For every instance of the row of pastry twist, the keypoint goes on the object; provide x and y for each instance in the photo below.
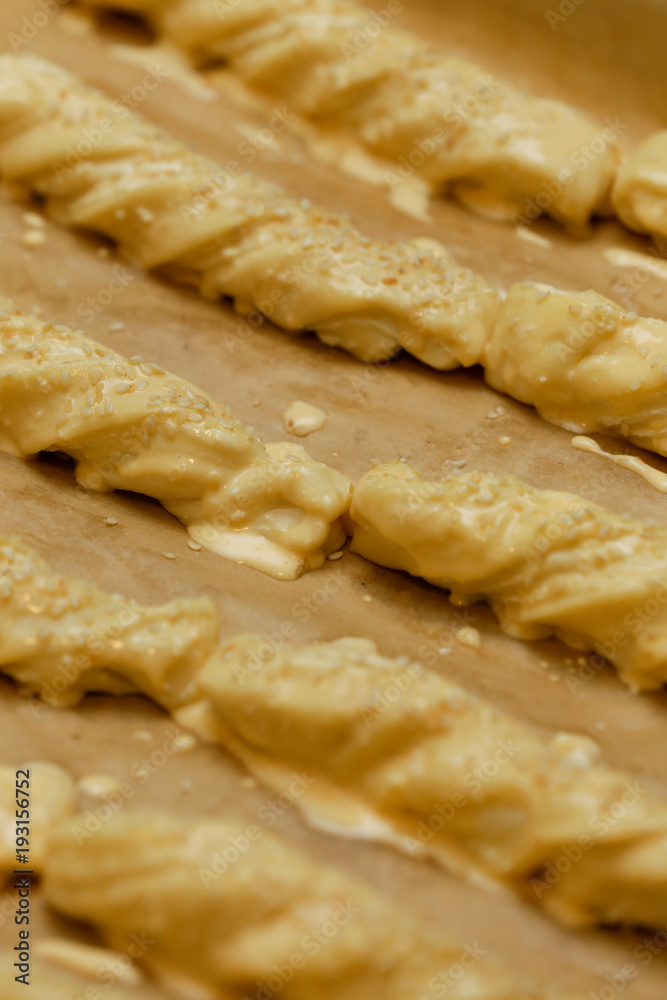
(549, 563)
(435, 772)
(410, 771)
(582, 360)
(454, 124)
(585, 363)
(220, 909)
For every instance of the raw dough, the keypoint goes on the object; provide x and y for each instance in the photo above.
(228, 906)
(640, 193)
(583, 362)
(52, 797)
(50, 981)
(130, 425)
(438, 117)
(388, 750)
(388, 743)
(60, 638)
(549, 563)
(232, 234)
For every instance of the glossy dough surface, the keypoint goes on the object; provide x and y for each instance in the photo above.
(397, 752)
(232, 234)
(226, 905)
(640, 192)
(353, 70)
(583, 362)
(61, 638)
(548, 562)
(130, 425)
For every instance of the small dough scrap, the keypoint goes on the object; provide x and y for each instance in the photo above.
(61, 638)
(224, 924)
(170, 209)
(452, 777)
(586, 364)
(478, 135)
(640, 192)
(130, 425)
(549, 563)
(52, 796)
(303, 419)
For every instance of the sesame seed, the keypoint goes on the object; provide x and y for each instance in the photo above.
(195, 546)
(169, 555)
(111, 521)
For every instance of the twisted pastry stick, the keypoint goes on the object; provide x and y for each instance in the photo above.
(388, 750)
(235, 910)
(440, 117)
(50, 794)
(130, 425)
(640, 192)
(583, 362)
(60, 638)
(548, 563)
(102, 168)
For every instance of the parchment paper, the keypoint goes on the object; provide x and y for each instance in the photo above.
(406, 410)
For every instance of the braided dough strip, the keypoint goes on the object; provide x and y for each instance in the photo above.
(549, 563)
(440, 117)
(583, 362)
(435, 772)
(60, 638)
(227, 907)
(100, 167)
(130, 425)
(640, 192)
(390, 751)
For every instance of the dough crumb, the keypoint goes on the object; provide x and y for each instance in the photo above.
(33, 238)
(469, 637)
(98, 785)
(184, 742)
(302, 419)
(33, 221)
